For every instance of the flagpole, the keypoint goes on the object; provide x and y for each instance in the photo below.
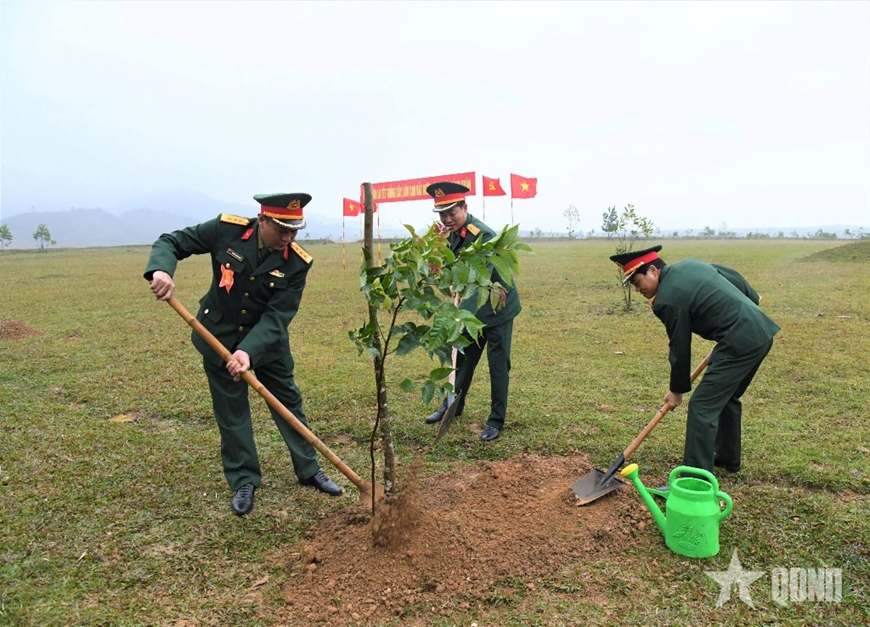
(343, 266)
(362, 242)
(512, 210)
(379, 237)
(484, 207)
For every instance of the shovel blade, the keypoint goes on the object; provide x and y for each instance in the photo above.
(589, 487)
(449, 415)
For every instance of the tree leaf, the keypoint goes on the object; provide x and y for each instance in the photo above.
(504, 269)
(408, 343)
(428, 391)
(440, 373)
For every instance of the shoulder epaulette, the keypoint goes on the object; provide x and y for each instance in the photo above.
(473, 229)
(231, 219)
(303, 254)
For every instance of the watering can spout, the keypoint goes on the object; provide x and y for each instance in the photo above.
(630, 472)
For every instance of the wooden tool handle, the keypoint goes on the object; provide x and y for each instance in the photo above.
(452, 377)
(363, 486)
(661, 413)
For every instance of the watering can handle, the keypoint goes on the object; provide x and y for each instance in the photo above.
(695, 471)
(728, 504)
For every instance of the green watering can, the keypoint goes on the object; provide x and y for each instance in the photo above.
(691, 526)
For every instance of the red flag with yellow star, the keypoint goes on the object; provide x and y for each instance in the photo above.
(523, 187)
(351, 207)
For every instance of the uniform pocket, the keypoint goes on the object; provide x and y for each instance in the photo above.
(274, 283)
(209, 311)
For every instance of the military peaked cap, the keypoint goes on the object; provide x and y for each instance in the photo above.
(447, 195)
(634, 259)
(285, 209)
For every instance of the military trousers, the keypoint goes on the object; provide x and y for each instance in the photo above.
(232, 412)
(713, 427)
(497, 342)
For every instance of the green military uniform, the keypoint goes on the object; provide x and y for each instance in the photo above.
(495, 337)
(253, 297)
(718, 304)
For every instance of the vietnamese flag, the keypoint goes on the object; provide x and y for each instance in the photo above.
(522, 187)
(492, 187)
(351, 207)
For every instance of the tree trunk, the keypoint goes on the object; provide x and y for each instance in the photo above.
(383, 417)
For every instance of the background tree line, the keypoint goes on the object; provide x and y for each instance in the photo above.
(42, 236)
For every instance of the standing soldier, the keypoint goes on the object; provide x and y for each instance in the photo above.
(719, 305)
(464, 229)
(259, 274)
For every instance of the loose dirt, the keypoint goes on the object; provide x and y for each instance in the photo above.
(15, 330)
(452, 543)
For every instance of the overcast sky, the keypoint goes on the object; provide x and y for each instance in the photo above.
(750, 113)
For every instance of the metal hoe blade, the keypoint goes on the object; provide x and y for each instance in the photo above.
(589, 487)
(449, 415)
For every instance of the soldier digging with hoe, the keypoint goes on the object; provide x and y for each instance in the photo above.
(259, 273)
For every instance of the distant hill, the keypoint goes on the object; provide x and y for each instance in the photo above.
(142, 220)
(77, 228)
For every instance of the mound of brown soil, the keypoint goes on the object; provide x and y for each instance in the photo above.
(15, 330)
(445, 545)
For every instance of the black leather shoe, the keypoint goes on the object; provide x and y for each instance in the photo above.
(323, 483)
(489, 433)
(729, 467)
(437, 415)
(243, 501)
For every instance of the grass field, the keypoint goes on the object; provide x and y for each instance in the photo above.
(115, 510)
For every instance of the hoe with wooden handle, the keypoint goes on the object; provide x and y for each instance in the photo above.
(364, 487)
(452, 399)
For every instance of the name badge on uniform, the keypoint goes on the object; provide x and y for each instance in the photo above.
(234, 255)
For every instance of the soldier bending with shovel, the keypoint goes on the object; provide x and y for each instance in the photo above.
(719, 305)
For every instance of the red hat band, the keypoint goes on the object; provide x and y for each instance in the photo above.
(636, 263)
(448, 199)
(282, 213)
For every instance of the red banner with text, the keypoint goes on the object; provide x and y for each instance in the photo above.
(415, 189)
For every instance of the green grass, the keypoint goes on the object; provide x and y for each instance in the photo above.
(127, 523)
